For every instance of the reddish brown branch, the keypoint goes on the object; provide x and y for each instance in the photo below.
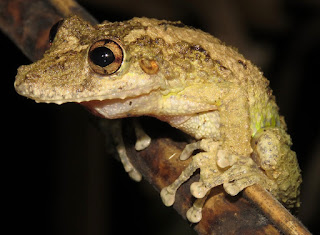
(28, 22)
(274, 210)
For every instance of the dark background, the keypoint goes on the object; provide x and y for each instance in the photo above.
(58, 178)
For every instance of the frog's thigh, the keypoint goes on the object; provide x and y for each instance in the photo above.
(272, 152)
(269, 145)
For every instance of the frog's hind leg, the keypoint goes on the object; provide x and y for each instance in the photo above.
(271, 148)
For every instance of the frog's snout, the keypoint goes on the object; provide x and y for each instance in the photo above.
(20, 78)
(26, 82)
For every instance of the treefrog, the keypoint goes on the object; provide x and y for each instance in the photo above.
(182, 76)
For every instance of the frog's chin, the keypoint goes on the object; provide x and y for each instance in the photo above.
(46, 93)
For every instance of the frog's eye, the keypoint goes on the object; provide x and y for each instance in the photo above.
(54, 30)
(105, 57)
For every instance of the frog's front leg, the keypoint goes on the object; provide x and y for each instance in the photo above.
(116, 132)
(142, 142)
(198, 161)
(194, 214)
(217, 167)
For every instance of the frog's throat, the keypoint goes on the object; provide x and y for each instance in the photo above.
(120, 108)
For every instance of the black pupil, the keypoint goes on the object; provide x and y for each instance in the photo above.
(102, 56)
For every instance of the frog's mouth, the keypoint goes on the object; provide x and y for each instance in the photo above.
(108, 106)
(144, 104)
(42, 94)
(72, 87)
(117, 102)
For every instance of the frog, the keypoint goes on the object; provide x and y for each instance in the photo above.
(182, 76)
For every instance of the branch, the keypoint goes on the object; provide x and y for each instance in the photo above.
(28, 23)
(255, 211)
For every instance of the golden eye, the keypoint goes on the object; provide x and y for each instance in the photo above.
(105, 57)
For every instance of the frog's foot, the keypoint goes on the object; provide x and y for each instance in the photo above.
(168, 193)
(242, 173)
(128, 167)
(198, 161)
(217, 167)
(194, 214)
(143, 140)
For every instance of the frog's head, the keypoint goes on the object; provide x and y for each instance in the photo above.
(88, 63)
(113, 62)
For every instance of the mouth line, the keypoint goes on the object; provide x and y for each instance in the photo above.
(71, 100)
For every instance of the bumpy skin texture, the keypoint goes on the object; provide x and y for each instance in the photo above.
(187, 78)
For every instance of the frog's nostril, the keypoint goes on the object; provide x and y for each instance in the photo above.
(30, 76)
(149, 66)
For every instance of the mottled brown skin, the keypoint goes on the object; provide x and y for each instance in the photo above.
(187, 78)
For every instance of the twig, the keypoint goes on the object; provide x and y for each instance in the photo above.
(274, 210)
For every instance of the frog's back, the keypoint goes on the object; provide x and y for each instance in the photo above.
(225, 62)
